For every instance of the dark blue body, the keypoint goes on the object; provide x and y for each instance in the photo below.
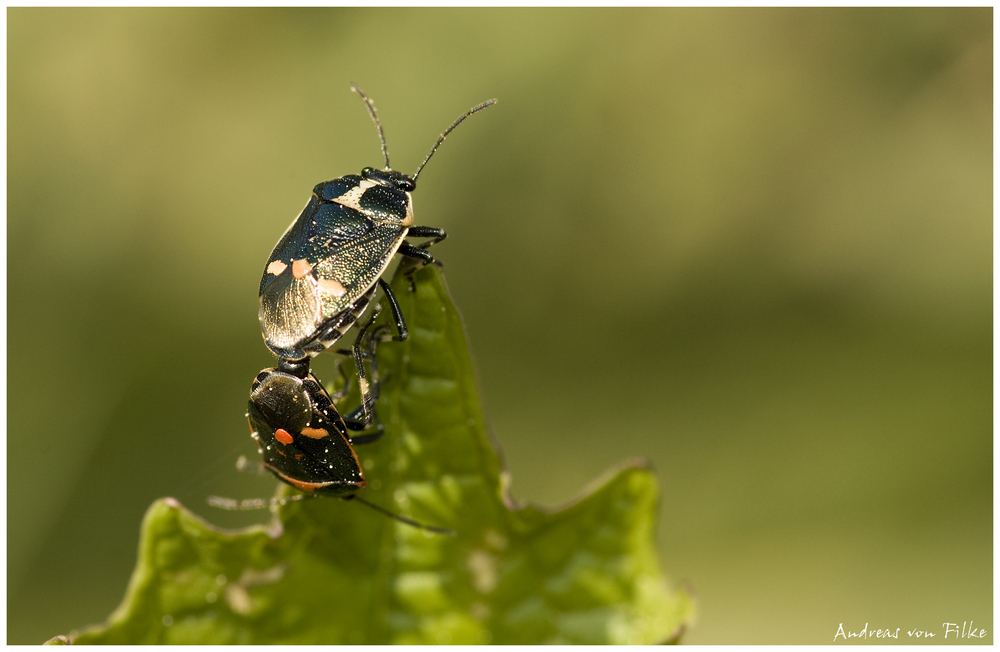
(322, 272)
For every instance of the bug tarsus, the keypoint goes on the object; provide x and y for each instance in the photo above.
(417, 253)
(427, 232)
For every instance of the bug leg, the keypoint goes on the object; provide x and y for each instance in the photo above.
(419, 253)
(436, 235)
(367, 398)
(359, 420)
(368, 437)
(345, 388)
(355, 420)
(364, 416)
(397, 314)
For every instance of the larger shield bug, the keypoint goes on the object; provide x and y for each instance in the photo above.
(325, 268)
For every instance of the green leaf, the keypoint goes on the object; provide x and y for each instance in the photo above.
(335, 572)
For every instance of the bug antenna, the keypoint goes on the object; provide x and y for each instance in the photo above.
(264, 503)
(447, 131)
(403, 519)
(255, 503)
(378, 125)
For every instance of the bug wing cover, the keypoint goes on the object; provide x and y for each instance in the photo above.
(318, 457)
(358, 264)
(295, 296)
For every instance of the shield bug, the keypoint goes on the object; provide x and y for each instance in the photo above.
(323, 272)
(303, 439)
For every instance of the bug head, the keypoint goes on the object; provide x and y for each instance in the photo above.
(279, 401)
(389, 178)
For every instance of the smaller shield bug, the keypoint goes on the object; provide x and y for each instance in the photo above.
(304, 441)
(323, 272)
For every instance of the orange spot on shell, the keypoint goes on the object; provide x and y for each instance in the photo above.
(282, 436)
(331, 286)
(301, 267)
(276, 267)
(315, 433)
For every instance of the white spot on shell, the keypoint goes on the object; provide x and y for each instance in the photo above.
(331, 286)
(352, 198)
(276, 267)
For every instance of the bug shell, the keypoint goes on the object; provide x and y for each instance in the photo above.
(302, 437)
(322, 273)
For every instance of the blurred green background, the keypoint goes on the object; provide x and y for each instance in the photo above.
(754, 246)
